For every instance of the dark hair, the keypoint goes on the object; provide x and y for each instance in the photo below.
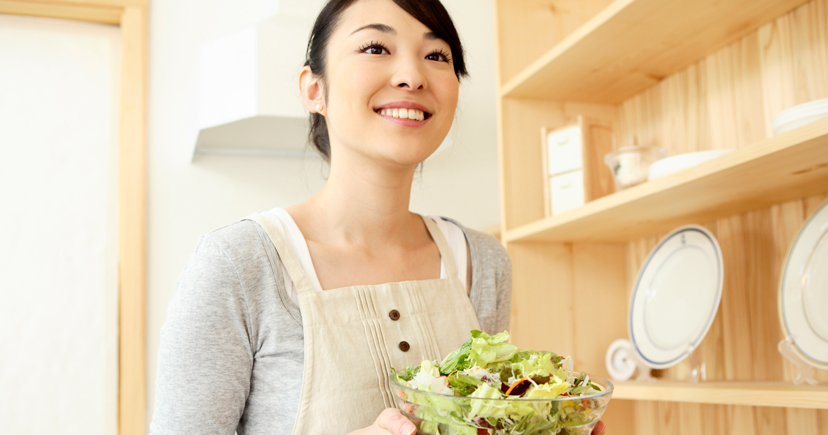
(429, 12)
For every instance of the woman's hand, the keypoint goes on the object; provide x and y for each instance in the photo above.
(599, 428)
(390, 422)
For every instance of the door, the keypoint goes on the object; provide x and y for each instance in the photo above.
(59, 99)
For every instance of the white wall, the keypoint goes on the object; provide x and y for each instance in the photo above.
(58, 229)
(189, 199)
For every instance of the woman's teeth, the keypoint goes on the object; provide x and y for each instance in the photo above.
(416, 115)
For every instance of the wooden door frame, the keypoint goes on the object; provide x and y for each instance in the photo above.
(131, 16)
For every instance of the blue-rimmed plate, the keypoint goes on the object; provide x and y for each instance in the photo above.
(676, 296)
(803, 291)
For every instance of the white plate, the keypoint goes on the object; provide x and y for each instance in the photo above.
(800, 115)
(673, 164)
(676, 296)
(803, 291)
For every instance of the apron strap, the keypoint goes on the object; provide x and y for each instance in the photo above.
(442, 246)
(295, 270)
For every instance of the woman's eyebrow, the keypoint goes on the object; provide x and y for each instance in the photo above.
(388, 29)
(381, 27)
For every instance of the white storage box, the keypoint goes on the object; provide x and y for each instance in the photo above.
(567, 191)
(564, 153)
(573, 166)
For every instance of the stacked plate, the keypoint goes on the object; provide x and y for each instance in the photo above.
(674, 302)
(670, 165)
(803, 291)
(800, 115)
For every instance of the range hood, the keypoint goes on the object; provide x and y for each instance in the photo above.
(248, 97)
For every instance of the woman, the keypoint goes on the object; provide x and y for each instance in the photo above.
(289, 321)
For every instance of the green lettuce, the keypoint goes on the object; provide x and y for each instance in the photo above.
(487, 408)
(462, 384)
(430, 368)
(537, 365)
(480, 350)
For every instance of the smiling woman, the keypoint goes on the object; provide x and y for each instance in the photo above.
(432, 40)
(289, 321)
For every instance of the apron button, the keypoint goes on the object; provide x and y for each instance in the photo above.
(404, 346)
(394, 315)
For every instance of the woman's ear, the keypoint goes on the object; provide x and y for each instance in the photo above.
(311, 88)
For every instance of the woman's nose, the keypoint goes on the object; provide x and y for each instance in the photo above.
(409, 75)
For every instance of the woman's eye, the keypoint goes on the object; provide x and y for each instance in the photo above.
(438, 56)
(375, 49)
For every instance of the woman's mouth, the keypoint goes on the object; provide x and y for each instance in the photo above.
(401, 113)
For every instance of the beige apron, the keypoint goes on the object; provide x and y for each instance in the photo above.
(354, 335)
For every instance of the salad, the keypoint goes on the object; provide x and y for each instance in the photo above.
(489, 386)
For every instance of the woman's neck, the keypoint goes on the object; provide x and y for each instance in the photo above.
(362, 203)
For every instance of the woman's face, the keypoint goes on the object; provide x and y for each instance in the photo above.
(392, 91)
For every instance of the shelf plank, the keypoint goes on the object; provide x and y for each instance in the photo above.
(633, 44)
(774, 394)
(782, 168)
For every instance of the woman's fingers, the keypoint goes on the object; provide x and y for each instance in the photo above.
(393, 421)
(599, 428)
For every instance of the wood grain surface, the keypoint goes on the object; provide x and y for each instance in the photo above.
(728, 100)
(724, 100)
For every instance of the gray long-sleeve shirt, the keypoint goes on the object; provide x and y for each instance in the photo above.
(232, 347)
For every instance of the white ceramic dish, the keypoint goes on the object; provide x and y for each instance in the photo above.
(676, 296)
(800, 115)
(673, 164)
(803, 291)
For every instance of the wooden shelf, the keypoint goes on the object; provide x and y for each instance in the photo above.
(782, 168)
(688, 76)
(776, 394)
(633, 44)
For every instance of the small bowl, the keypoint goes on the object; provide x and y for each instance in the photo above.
(432, 412)
(631, 165)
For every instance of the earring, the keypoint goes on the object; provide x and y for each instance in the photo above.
(318, 107)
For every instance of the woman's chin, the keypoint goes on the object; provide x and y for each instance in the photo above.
(403, 155)
(411, 159)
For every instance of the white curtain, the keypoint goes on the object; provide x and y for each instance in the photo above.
(59, 88)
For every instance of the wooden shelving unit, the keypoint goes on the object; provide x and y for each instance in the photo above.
(685, 76)
(771, 394)
(782, 168)
(633, 44)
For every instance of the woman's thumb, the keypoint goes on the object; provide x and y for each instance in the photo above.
(393, 421)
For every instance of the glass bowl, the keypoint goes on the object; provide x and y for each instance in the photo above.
(443, 414)
(631, 165)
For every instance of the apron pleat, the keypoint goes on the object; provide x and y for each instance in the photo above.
(433, 351)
